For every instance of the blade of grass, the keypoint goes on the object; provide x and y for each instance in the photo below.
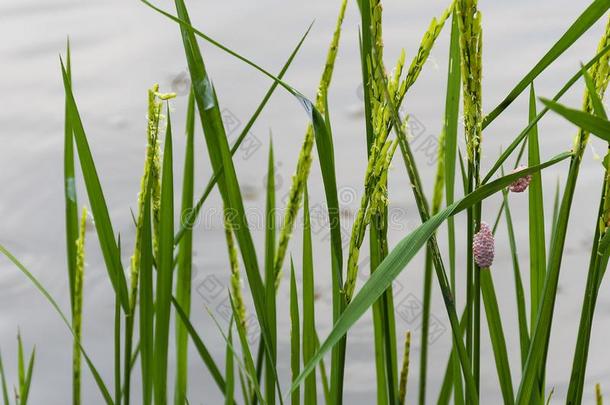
(496, 333)
(555, 207)
(270, 277)
(587, 122)
(146, 300)
(25, 389)
(309, 321)
(201, 348)
(428, 268)
(295, 336)
(247, 355)
(164, 271)
(524, 341)
(449, 380)
(536, 229)
(185, 257)
(450, 128)
(20, 365)
(536, 217)
(117, 351)
(97, 201)
(70, 186)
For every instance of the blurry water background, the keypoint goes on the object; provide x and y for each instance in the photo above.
(120, 48)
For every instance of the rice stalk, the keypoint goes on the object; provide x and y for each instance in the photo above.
(471, 41)
(151, 172)
(404, 372)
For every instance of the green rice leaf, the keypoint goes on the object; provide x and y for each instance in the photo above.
(496, 333)
(524, 341)
(185, 257)
(146, 310)
(536, 217)
(97, 201)
(270, 277)
(295, 336)
(201, 348)
(164, 271)
(587, 122)
(309, 322)
(70, 187)
(596, 102)
(247, 355)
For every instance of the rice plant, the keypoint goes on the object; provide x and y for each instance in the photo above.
(152, 290)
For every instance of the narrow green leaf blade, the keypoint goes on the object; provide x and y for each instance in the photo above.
(496, 333)
(270, 278)
(164, 271)
(536, 217)
(295, 336)
(201, 348)
(309, 322)
(97, 201)
(588, 122)
(185, 257)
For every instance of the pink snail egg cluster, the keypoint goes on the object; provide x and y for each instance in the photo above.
(519, 185)
(483, 246)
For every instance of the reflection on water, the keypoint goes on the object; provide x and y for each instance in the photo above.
(121, 48)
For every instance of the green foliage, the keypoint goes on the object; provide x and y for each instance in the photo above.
(161, 263)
